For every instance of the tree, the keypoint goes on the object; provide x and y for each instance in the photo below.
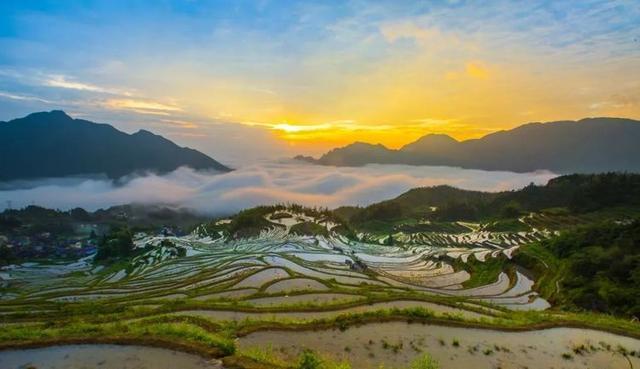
(511, 210)
(603, 267)
(118, 243)
(7, 255)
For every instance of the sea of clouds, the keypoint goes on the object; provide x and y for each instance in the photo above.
(259, 184)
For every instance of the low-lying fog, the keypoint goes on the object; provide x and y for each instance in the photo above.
(259, 184)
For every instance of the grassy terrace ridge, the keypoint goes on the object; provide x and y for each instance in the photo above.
(203, 337)
(87, 310)
(483, 273)
(78, 323)
(517, 320)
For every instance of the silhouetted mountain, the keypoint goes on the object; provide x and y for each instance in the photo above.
(585, 146)
(358, 153)
(55, 145)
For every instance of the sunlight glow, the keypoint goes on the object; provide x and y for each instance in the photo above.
(333, 73)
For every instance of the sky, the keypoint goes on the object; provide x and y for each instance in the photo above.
(241, 80)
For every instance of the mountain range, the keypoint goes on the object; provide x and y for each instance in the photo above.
(52, 144)
(586, 146)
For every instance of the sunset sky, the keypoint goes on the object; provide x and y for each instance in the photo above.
(244, 79)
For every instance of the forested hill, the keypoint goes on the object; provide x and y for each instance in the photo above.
(52, 144)
(589, 145)
(577, 193)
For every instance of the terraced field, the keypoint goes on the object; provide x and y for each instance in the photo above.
(278, 263)
(224, 288)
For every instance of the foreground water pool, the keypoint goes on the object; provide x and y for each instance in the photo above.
(395, 345)
(103, 357)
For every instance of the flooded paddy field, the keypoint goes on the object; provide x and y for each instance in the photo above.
(395, 345)
(233, 294)
(313, 315)
(104, 357)
(278, 263)
(311, 299)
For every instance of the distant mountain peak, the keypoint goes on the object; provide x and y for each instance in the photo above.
(53, 144)
(365, 144)
(431, 143)
(61, 113)
(50, 116)
(144, 132)
(585, 146)
(438, 136)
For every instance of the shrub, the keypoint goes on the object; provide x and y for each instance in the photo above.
(309, 360)
(425, 361)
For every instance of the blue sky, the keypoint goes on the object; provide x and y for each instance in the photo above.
(279, 77)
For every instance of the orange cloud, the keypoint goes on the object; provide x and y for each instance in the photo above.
(141, 106)
(477, 70)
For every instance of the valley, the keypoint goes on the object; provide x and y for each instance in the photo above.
(319, 184)
(259, 289)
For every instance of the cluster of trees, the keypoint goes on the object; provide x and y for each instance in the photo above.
(116, 244)
(309, 229)
(250, 222)
(119, 244)
(36, 219)
(9, 223)
(603, 267)
(578, 193)
(7, 256)
(384, 211)
(174, 250)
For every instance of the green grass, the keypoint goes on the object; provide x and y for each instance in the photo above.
(482, 273)
(200, 334)
(425, 361)
(506, 225)
(309, 229)
(308, 359)
(178, 332)
(547, 268)
(265, 355)
(123, 319)
(437, 227)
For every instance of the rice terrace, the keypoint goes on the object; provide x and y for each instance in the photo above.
(275, 285)
(319, 184)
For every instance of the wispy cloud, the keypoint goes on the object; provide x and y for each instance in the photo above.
(395, 31)
(181, 123)
(61, 81)
(20, 97)
(302, 68)
(142, 106)
(433, 121)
